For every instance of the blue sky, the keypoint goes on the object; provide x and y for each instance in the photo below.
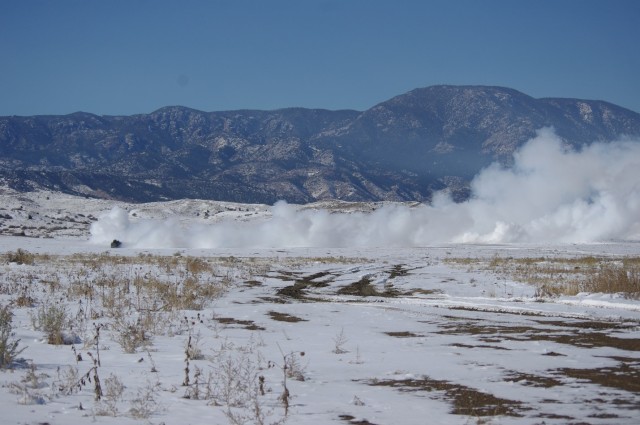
(122, 57)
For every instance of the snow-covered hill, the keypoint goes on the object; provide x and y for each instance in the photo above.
(46, 214)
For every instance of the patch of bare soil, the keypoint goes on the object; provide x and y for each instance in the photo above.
(299, 288)
(625, 376)
(403, 334)
(296, 291)
(353, 421)
(532, 380)
(588, 324)
(364, 288)
(247, 324)
(484, 310)
(398, 270)
(471, 328)
(578, 337)
(284, 317)
(427, 292)
(465, 400)
(494, 347)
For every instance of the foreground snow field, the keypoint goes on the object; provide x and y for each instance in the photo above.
(437, 339)
(452, 333)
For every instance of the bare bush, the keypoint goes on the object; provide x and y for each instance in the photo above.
(197, 265)
(130, 334)
(53, 320)
(339, 341)
(112, 395)
(236, 378)
(145, 403)
(9, 350)
(240, 388)
(29, 389)
(68, 380)
(20, 256)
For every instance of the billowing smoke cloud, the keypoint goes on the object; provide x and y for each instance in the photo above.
(551, 194)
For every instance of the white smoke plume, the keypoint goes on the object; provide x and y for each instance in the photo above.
(552, 194)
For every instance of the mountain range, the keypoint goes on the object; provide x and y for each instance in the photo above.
(403, 149)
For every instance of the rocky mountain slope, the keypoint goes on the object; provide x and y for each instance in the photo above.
(402, 149)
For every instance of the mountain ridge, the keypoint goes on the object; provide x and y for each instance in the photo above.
(402, 149)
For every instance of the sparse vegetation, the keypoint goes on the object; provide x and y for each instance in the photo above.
(20, 256)
(112, 397)
(131, 306)
(9, 347)
(52, 319)
(292, 369)
(145, 403)
(611, 278)
(130, 334)
(556, 276)
(339, 342)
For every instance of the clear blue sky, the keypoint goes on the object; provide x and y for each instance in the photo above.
(121, 57)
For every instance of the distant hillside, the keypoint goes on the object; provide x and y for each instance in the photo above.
(402, 149)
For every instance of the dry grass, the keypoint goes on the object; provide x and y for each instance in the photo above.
(609, 278)
(563, 275)
(134, 301)
(136, 297)
(53, 320)
(20, 256)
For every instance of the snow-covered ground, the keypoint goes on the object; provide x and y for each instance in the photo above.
(369, 335)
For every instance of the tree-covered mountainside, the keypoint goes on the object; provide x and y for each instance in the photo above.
(402, 149)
